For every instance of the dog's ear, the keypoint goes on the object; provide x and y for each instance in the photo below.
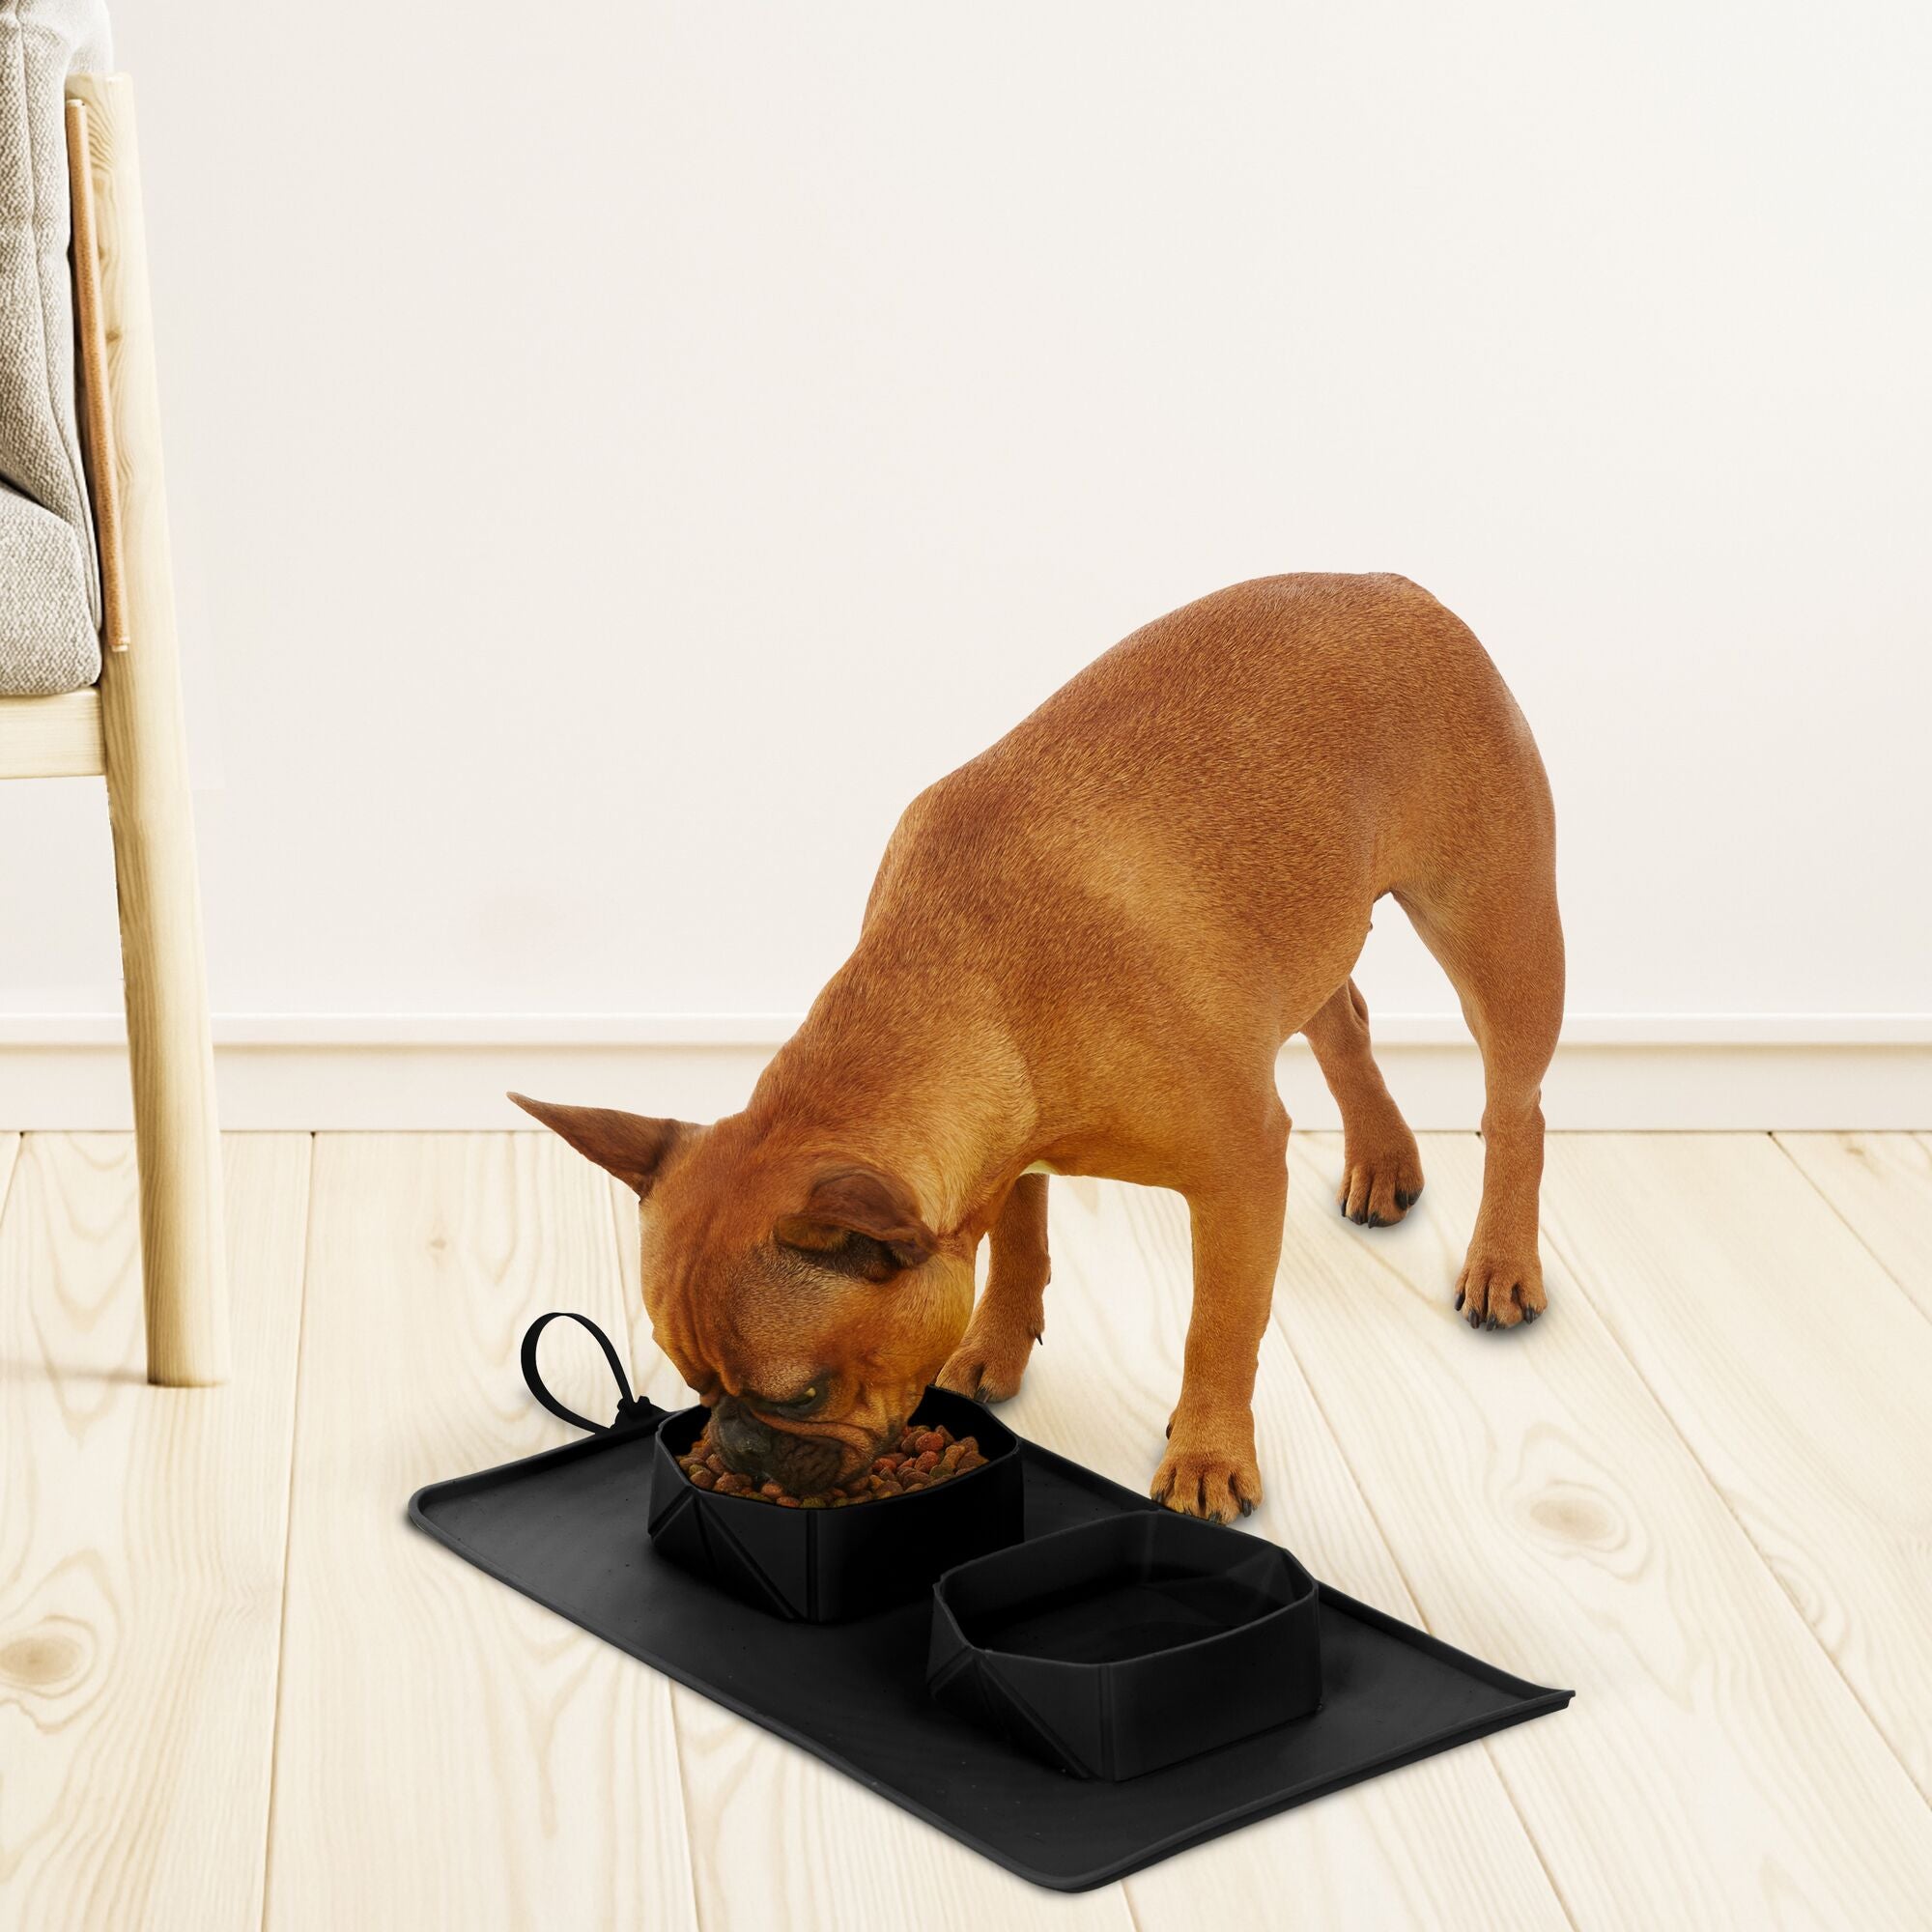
(632, 1147)
(860, 1202)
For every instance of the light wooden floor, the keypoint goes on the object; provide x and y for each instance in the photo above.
(236, 1689)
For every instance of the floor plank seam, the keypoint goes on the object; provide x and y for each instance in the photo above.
(288, 1535)
(1805, 1623)
(683, 1805)
(1414, 1604)
(1490, 1751)
(615, 1225)
(14, 1168)
(1287, 1341)
(1851, 1227)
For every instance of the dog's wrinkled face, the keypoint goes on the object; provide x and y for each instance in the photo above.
(808, 1309)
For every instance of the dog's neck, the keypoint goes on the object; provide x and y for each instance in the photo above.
(932, 1090)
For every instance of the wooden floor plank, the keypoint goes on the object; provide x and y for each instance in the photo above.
(1881, 1185)
(1396, 1851)
(141, 1550)
(1795, 1370)
(783, 1843)
(1715, 1769)
(450, 1753)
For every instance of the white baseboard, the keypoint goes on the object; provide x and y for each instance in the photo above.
(449, 1071)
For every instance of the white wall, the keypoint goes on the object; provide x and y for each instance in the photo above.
(615, 464)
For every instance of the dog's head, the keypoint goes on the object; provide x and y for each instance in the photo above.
(807, 1301)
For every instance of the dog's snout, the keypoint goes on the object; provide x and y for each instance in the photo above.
(803, 1463)
(743, 1440)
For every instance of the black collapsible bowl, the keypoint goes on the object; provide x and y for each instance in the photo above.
(1121, 1646)
(819, 1566)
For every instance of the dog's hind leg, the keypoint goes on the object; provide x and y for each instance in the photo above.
(1498, 937)
(1381, 1167)
(992, 1356)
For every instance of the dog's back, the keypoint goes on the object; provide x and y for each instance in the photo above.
(1237, 780)
(1273, 704)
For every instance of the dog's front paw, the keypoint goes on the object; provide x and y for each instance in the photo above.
(1209, 1473)
(1498, 1289)
(991, 1363)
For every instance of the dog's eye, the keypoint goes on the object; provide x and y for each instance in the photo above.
(803, 1402)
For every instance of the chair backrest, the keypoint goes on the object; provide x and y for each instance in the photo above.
(49, 596)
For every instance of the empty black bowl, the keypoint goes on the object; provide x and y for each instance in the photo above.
(1117, 1647)
(818, 1565)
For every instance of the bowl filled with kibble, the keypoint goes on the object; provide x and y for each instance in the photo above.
(947, 1490)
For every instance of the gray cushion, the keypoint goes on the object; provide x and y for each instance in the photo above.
(49, 590)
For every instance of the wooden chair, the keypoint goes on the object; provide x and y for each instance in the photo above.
(129, 730)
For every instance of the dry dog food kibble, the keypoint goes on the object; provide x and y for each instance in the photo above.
(924, 1459)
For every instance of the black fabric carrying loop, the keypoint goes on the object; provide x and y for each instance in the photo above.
(632, 1413)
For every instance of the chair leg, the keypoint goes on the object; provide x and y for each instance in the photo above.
(172, 1062)
(169, 1050)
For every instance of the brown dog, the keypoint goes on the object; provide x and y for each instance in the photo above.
(1082, 954)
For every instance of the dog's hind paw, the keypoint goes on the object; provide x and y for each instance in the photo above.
(1501, 1292)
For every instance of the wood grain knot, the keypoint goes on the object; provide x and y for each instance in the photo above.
(1577, 1516)
(43, 1660)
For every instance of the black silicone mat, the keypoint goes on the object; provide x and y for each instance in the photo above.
(567, 1528)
